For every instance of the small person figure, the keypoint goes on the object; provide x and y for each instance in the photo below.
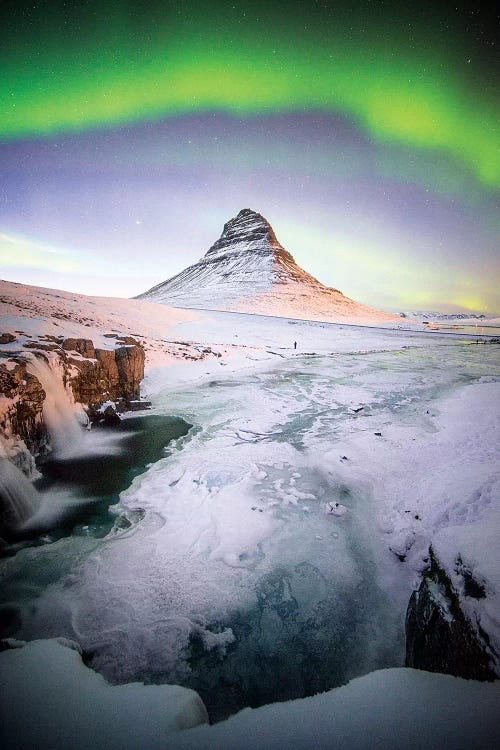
(294, 344)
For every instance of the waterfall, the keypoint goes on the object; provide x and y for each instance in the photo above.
(18, 498)
(59, 415)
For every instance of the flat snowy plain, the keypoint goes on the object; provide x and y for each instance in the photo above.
(235, 577)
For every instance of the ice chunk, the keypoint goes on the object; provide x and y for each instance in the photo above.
(335, 509)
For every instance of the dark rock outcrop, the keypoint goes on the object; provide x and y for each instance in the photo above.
(111, 374)
(110, 418)
(94, 376)
(7, 338)
(85, 347)
(439, 636)
(130, 365)
(22, 416)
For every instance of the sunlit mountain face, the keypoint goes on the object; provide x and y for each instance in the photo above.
(248, 270)
(366, 132)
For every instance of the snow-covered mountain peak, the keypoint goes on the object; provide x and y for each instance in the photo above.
(248, 270)
(248, 230)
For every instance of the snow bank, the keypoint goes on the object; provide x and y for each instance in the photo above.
(78, 312)
(37, 312)
(391, 708)
(50, 700)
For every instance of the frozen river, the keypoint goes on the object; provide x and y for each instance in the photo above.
(249, 563)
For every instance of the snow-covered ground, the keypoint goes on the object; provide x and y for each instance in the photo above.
(238, 574)
(49, 679)
(385, 710)
(32, 312)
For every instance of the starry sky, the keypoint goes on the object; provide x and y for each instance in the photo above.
(365, 132)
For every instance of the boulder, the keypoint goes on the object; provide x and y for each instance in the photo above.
(110, 418)
(7, 338)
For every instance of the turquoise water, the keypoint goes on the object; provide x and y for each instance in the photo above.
(93, 481)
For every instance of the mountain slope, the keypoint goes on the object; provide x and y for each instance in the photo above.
(248, 270)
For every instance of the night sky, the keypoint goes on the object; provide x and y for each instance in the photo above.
(367, 133)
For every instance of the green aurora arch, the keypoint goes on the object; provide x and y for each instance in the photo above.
(114, 69)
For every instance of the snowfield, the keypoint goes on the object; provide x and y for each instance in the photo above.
(227, 571)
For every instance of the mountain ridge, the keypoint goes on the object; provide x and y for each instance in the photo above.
(248, 270)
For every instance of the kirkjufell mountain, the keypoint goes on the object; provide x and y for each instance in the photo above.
(248, 270)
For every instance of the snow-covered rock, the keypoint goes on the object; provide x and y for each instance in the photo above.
(248, 270)
(440, 637)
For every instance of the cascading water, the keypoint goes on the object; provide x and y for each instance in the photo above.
(19, 500)
(58, 412)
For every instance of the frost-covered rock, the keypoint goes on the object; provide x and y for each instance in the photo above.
(21, 403)
(7, 338)
(402, 542)
(439, 635)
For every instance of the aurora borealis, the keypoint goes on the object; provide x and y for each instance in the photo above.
(367, 133)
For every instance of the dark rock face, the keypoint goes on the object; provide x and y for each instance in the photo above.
(130, 365)
(110, 418)
(253, 231)
(23, 417)
(439, 637)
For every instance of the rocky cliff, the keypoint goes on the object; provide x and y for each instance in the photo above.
(98, 375)
(439, 636)
(90, 376)
(21, 422)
